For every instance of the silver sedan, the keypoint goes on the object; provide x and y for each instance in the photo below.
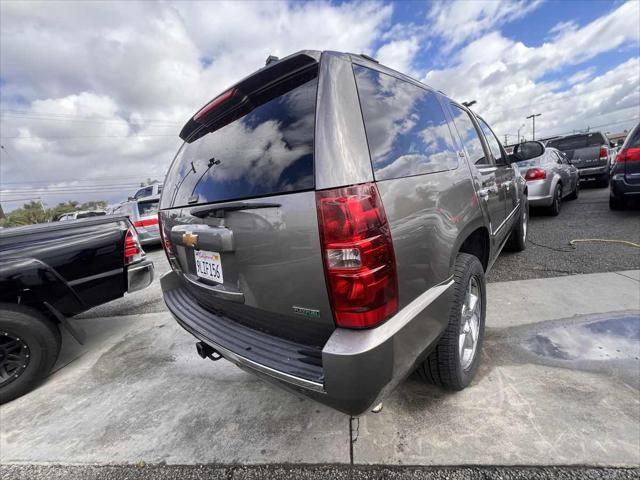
(550, 178)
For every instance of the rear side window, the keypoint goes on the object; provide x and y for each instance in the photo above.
(406, 127)
(469, 136)
(147, 208)
(267, 150)
(578, 141)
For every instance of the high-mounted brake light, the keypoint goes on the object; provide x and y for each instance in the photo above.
(132, 249)
(603, 153)
(628, 155)
(360, 265)
(213, 104)
(535, 174)
(146, 223)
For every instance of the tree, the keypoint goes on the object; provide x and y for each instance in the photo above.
(34, 212)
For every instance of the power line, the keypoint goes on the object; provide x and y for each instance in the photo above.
(17, 137)
(99, 179)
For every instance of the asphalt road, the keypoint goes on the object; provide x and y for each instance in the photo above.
(548, 253)
(290, 472)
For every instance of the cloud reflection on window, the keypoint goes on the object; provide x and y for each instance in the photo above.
(269, 150)
(406, 127)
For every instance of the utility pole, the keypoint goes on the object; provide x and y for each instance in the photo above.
(505, 139)
(533, 119)
(521, 127)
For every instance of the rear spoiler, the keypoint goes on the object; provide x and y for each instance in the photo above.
(239, 94)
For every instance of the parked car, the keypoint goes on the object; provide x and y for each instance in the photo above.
(50, 272)
(152, 190)
(143, 213)
(81, 214)
(591, 153)
(549, 174)
(330, 222)
(625, 174)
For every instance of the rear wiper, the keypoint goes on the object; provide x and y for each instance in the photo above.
(219, 210)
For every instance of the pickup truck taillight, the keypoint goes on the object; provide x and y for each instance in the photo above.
(628, 155)
(359, 261)
(535, 174)
(132, 249)
(603, 153)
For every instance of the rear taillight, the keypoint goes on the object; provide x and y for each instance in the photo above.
(132, 249)
(535, 174)
(359, 261)
(146, 223)
(603, 153)
(628, 155)
(213, 104)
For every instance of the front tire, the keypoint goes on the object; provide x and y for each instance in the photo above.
(554, 209)
(454, 362)
(616, 203)
(29, 347)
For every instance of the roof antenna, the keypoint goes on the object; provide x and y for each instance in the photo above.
(271, 59)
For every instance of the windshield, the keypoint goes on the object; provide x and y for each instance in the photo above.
(148, 208)
(267, 150)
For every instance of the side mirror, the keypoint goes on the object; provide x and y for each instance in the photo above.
(612, 145)
(527, 150)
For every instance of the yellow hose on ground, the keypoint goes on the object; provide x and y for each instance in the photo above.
(603, 240)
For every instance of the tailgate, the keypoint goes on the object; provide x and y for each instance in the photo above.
(586, 157)
(259, 265)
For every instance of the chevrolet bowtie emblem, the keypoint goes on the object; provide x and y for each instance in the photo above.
(189, 239)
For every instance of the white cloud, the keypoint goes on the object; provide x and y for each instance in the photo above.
(399, 54)
(458, 22)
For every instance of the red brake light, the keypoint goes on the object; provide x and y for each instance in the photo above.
(535, 174)
(146, 223)
(360, 264)
(628, 155)
(213, 104)
(603, 153)
(132, 249)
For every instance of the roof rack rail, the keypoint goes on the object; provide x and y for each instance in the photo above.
(363, 55)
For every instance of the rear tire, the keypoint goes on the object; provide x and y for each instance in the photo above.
(554, 209)
(454, 362)
(518, 238)
(29, 347)
(616, 203)
(603, 181)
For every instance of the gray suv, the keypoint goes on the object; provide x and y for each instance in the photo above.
(330, 222)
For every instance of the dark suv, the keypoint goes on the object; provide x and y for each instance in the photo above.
(625, 173)
(329, 224)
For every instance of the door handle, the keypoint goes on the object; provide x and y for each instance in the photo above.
(484, 192)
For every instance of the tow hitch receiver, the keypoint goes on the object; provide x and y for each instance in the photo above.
(207, 351)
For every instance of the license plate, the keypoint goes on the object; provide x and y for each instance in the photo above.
(208, 266)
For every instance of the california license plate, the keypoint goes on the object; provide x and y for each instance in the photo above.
(209, 266)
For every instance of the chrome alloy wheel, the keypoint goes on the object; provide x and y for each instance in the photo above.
(470, 324)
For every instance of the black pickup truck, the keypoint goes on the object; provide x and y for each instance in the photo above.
(52, 271)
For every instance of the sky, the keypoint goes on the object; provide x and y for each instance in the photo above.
(94, 94)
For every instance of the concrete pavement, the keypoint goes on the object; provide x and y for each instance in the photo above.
(137, 392)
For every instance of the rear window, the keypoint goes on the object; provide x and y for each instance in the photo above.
(147, 208)
(267, 150)
(90, 214)
(578, 141)
(406, 127)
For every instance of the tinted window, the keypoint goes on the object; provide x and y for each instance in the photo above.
(469, 136)
(267, 149)
(406, 127)
(147, 208)
(145, 192)
(578, 141)
(90, 214)
(494, 144)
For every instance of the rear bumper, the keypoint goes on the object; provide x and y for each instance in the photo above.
(594, 171)
(621, 188)
(139, 276)
(540, 193)
(353, 370)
